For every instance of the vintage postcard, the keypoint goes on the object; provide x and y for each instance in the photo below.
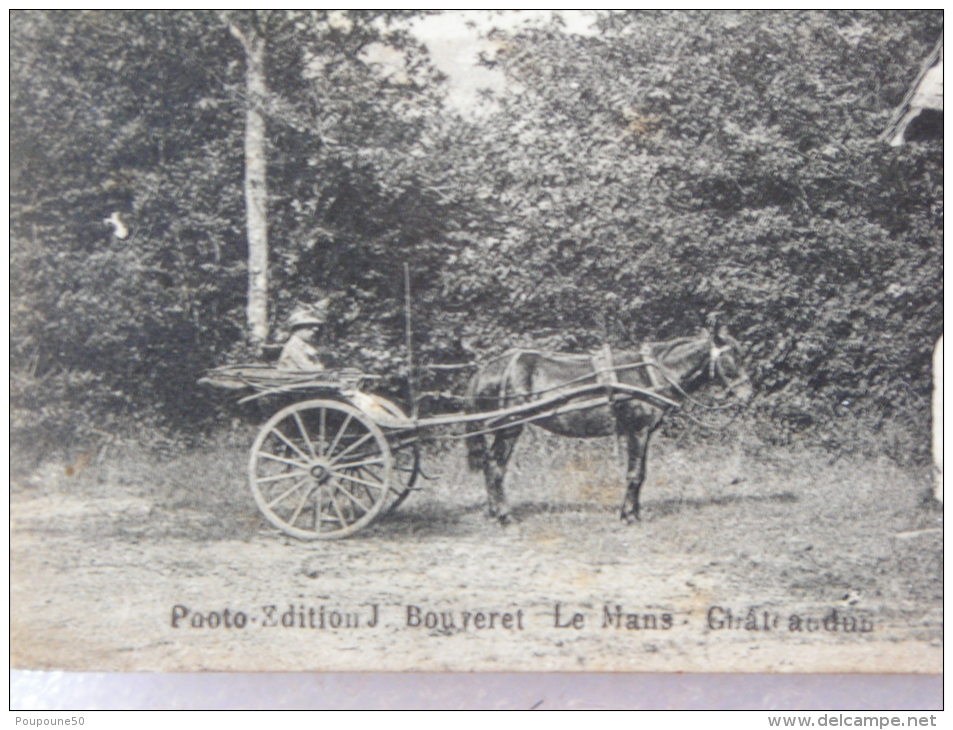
(476, 341)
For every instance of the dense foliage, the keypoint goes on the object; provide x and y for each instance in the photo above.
(629, 183)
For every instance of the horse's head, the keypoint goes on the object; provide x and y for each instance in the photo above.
(724, 364)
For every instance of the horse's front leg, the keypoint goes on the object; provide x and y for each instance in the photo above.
(494, 470)
(637, 443)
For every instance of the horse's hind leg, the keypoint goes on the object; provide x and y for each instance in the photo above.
(638, 444)
(494, 469)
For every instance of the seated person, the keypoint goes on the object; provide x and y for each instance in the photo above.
(299, 352)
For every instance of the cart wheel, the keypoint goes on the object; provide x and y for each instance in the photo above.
(320, 470)
(406, 470)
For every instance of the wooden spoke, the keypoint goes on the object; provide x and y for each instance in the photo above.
(366, 468)
(370, 496)
(368, 471)
(287, 492)
(266, 455)
(304, 434)
(353, 498)
(356, 464)
(366, 483)
(337, 509)
(347, 421)
(351, 447)
(301, 504)
(347, 508)
(279, 434)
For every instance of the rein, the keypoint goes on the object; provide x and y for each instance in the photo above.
(713, 406)
(694, 401)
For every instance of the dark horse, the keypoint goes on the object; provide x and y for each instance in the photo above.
(673, 368)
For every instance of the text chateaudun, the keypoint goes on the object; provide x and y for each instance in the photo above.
(720, 618)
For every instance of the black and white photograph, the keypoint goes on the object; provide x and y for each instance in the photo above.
(476, 341)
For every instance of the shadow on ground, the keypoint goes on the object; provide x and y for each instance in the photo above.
(440, 520)
(667, 507)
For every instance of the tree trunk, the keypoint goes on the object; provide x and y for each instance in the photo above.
(256, 188)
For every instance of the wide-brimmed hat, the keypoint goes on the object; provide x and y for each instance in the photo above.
(304, 316)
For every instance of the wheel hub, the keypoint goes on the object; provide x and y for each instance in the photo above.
(320, 471)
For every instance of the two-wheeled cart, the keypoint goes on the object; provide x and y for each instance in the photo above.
(327, 465)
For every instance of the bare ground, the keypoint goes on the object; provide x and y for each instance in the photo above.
(101, 557)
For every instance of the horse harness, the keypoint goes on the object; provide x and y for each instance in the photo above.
(603, 365)
(606, 371)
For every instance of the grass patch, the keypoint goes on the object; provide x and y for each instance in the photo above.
(203, 493)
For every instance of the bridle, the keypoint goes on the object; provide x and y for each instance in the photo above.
(716, 369)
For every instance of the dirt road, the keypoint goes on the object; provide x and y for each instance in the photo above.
(740, 564)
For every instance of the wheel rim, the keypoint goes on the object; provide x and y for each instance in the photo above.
(320, 470)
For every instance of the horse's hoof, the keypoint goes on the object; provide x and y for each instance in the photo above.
(631, 519)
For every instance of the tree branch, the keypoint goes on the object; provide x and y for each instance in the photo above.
(233, 29)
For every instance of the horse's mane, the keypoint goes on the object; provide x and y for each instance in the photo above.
(663, 349)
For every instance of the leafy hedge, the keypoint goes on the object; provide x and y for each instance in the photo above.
(673, 164)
